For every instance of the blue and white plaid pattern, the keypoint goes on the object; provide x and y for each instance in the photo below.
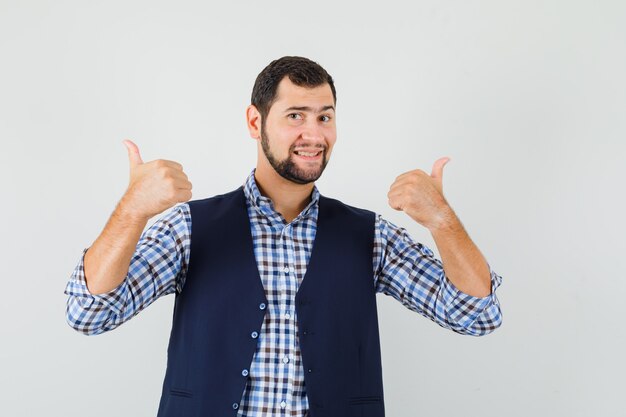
(403, 269)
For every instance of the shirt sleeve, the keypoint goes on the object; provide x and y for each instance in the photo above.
(158, 267)
(409, 272)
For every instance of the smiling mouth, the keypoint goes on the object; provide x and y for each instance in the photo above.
(310, 156)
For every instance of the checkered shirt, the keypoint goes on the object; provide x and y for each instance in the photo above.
(403, 269)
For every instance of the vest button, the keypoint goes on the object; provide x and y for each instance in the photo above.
(304, 333)
(244, 372)
(235, 406)
(254, 335)
(310, 370)
(262, 306)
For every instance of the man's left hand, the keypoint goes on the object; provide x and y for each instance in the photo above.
(421, 196)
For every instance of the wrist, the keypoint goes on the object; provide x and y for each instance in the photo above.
(127, 211)
(445, 222)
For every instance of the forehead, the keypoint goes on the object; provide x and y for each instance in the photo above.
(289, 94)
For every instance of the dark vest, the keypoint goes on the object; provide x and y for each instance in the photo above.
(219, 313)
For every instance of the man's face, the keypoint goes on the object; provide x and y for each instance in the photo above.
(299, 131)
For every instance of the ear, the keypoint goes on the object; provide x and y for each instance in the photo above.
(253, 118)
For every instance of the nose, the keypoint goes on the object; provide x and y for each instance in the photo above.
(313, 132)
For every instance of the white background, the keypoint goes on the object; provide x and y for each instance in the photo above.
(528, 98)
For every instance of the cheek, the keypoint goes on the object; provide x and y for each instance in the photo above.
(331, 136)
(282, 141)
(331, 144)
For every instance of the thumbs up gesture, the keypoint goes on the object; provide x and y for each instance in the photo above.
(154, 186)
(421, 196)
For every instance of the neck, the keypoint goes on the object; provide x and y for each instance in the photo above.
(289, 198)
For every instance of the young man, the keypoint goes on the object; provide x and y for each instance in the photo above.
(275, 284)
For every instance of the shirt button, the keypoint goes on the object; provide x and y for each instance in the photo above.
(283, 404)
(262, 306)
(235, 406)
(286, 269)
(285, 359)
(287, 316)
(244, 372)
(254, 335)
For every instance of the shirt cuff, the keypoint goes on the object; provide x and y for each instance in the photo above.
(463, 308)
(77, 287)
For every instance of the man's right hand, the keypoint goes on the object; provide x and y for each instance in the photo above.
(154, 186)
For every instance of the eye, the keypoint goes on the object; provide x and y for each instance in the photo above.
(294, 116)
(325, 118)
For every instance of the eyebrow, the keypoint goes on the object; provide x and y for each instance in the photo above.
(309, 109)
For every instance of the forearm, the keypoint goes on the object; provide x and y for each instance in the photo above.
(157, 267)
(108, 258)
(463, 263)
(409, 272)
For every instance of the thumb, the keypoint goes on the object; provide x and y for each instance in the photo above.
(133, 153)
(437, 172)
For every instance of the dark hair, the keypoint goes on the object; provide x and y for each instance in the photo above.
(301, 71)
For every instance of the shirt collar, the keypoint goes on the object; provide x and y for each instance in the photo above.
(265, 205)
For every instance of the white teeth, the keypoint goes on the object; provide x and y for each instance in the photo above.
(307, 153)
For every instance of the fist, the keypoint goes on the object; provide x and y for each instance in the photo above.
(154, 186)
(421, 195)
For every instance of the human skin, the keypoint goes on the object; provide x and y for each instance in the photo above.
(420, 195)
(310, 127)
(300, 119)
(153, 187)
(417, 193)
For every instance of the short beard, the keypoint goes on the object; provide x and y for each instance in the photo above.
(287, 168)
